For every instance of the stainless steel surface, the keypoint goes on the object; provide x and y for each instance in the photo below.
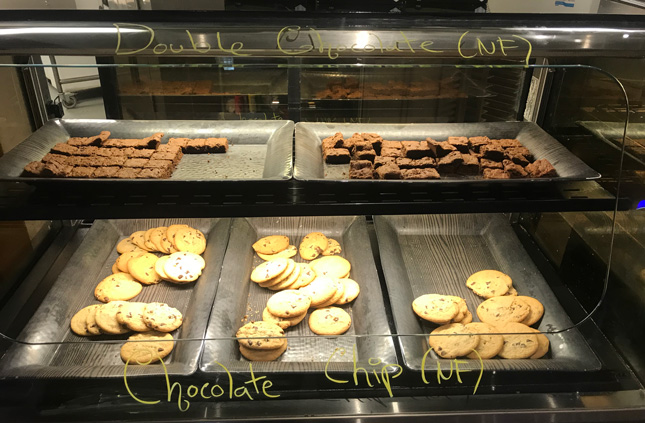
(435, 254)
(309, 163)
(612, 134)
(48, 349)
(239, 301)
(258, 149)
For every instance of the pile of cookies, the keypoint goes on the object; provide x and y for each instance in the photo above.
(505, 317)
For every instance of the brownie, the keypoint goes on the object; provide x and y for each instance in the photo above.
(427, 173)
(375, 139)
(107, 152)
(135, 163)
(541, 169)
(127, 173)
(216, 145)
(105, 172)
(360, 164)
(364, 155)
(380, 161)
(113, 161)
(390, 152)
(405, 163)
(495, 174)
(518, 159)
(88, 141)
(470, 165)
(34, 169)
(335, 141)
(141, 153)
(57, 170)
(450, 163)
(163, 155)
(159, 164)
(415, 149)
(59, 158)
(388, 171)
(442, 148)
(362, 173)
(522, 151)
(349, 142)
(391, 144)
(477, 142)
(489, 164)
(514, 170)
(362, 146)
(460, 143)
(195, 146)
(178, 142)
(168, 148)
(507, 143)
(492, 152)
(87, 151)
(151, 173)
(82, 172)
(336, 156)
(64, 149)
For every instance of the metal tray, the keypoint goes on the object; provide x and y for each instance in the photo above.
(436, 253)
(258, 150)
(239, 301)
(48, 349)
(612, 134)
(310, 166)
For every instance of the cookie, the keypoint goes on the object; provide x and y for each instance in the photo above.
(288, 282)
(331, 267)
(340, 291)
(519, 341)
(319, 290)
(183, 267)
(156, 347)
(289, 252)
(79, 321)
(288, 303)
(156, 236)
(90, 320)
(106, 318)
(543, 345)
(283, 322)
(271, 244)
(170, 235)
(261, 336)
(131, 316)
(269, 270)
(142, 268)
(126, 246)
(467, 319)
(147, 241)
(115, 268)
(138, 239)
(352, 289)
(307, 275)
(498, 310)
(162, 317)
(291, 266)
(536, 313)
(489, 345)
(312, 245)
(462, 342)
(263, 355)
(511, 292)
(329, 321)
(191, 240)
(117, 287)
(435, 308)
(461, 306)
(123, 260)
(489, 283)
(333, 247)
(159, 264)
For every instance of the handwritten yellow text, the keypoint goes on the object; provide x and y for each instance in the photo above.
(454, 366)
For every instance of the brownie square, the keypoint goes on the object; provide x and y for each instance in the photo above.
(442, 148)
(519, 151)
(495, 174)
(391, 144)
(492, 152)
(105, 172)
(95, 140)
(375, 139)
(336, 156)
(362, 173)
(362, 146)
(514, 170)
(114, 161)
(127, 173)
(405, 163)
(460, 143)
(135, 163)
(58, 158)
(489, 164)
(380, 161)
(105, 152)
(507, 143)
(450, 163)
(178, 142)
(360, 164)
(470, 165)
(477, 142)
(364, 155)
(349, 142)
(64, 149)
(516, 158)
(87, 151)
(541, 169)
(144, 153)
(335, 141)
(195, 146)
(415, 149)
(427, 173)
(163, 155)
(388, 171)
(159, 164)
(216, 145)
(390, 152)
(158, 173)
(82, 172)
(57, 170)
(34, 169)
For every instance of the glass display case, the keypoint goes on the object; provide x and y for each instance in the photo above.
(432, 216)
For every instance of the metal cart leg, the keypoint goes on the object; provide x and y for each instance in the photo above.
(68, 100)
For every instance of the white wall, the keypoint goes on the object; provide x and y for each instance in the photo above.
(543, 6)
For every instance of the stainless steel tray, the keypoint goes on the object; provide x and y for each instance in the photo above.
(430, 254)
(239, 301)
(309, 165)
(48, 349)
(612, 134)
(258, 150)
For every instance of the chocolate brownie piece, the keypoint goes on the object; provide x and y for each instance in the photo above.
(195, 146)
(415, 149)
(127, 173)
(541, 169)
(362, 146)
(360, 164)
(335, 141)
(87, 151)
(375, 139)
(440, 148)
(492, 152)
(105, 152)
(460, 143)
(364, 155)
(58, 158)
(216, 145)
(522, 151)
(178, 142)
(391, 144)
(57, 170)
(144, 153)
(516, 158)
(349, 142)
(477, 142)
(34, 169)
(495, 174)
(390, 152)
(105, 172)
(158, 173)
(489, 164)
(167, 155)
(114, 161)
(405, 163)
(388, 171)
(95, 140)
(380, 161)
(168, 148)
(507, 143)
(450, 163)
(82, 172)
(336, 156)
(64, 149)
(514, 170)
(140, 163)
(362, 173)
(159, 164)
(470, 165)
(427, 173)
